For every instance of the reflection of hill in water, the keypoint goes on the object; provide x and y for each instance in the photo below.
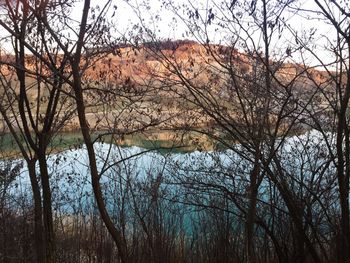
(170, 141)
(164, 141)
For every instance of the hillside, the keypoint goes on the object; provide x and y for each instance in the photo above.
(137, 88)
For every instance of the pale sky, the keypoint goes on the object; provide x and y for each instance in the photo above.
(126, 16)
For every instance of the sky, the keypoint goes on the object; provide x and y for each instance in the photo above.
(169, 26)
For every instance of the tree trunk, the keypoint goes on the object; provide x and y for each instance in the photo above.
(47, 209)
(253, 192)
(78, 91)
(116, 235)
(38, 214)
(343, 185)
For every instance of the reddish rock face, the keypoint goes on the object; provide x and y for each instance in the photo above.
(150, 73)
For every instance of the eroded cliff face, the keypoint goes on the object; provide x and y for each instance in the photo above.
(170, 59)
(130, 88)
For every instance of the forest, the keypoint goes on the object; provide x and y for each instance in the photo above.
(211, 131)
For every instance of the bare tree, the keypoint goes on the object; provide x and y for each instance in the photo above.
(33, 105)
(330, 111)
(249, 97)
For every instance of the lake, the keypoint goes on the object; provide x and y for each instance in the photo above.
(182, 183)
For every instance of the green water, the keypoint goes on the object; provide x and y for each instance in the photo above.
(163, 142)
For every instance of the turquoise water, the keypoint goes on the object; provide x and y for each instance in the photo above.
(176, 186)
